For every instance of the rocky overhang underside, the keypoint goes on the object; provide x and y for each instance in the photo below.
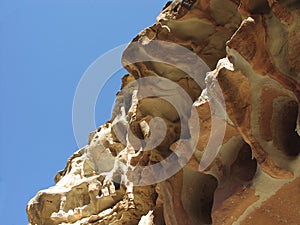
(252, 49)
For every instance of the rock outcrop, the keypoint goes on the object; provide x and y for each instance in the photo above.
(210, 141)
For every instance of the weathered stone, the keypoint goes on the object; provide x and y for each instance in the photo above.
(243, 165)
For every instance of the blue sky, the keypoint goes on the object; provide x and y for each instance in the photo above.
(45, 47)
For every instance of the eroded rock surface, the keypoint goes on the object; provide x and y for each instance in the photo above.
(225, 154)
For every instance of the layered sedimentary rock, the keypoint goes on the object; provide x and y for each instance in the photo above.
(189, 143)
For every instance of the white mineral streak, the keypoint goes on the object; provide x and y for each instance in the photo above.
(147, 219)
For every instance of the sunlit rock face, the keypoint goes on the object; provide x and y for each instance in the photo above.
(225, 151)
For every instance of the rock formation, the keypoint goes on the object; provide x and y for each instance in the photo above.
(150, 164)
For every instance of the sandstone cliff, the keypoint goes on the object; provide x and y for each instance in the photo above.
(214, 141)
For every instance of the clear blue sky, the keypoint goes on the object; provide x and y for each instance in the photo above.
(45, 47)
